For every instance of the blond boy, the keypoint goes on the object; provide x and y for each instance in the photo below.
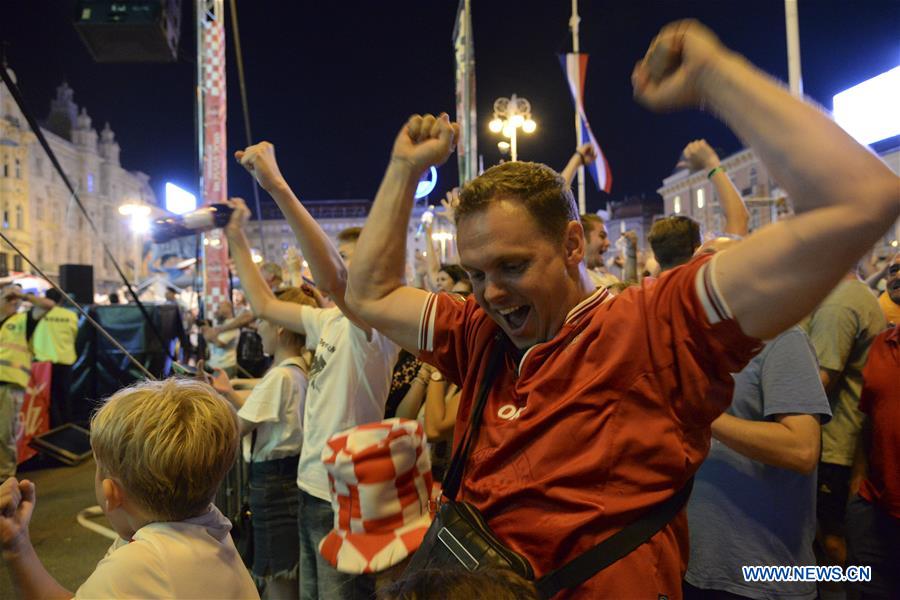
(162, 449)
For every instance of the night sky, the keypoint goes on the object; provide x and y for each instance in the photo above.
(330, 83)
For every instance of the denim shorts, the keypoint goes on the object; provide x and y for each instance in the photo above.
(273, 502)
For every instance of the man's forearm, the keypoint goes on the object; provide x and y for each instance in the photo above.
(324, 261)
(379, 263)
(571, 168)
(735, 211)
(29, 577)
(255, 287)
(809, 155)
(236, 323)
(768, 442)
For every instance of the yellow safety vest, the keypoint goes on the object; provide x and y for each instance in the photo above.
(15, 354)
(54, 337)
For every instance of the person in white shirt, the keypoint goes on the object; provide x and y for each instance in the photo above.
(271, 422)
(173, 543)
(349, 378)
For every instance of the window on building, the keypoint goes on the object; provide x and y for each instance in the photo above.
(5, 168)
(90, 182)
(39, 166)
(4, 264)
(17, 263)
(18, 169)
(701, 198)
(40, 251)
(676, 204)
(20, 217)
(39, 208)
(753, 177)
(5, 219)
(754, 218)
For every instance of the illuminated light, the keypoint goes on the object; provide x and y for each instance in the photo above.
(426, 186)
(894, 243)
(496, 125)
(178, 200)
(676, 204)
(255, 255)
(517, 120)
(134, 209)
(139, 221)
(509, 131)
(868, 111)
(529, 126)
(305, 264)
(504, 146)
(701, 198)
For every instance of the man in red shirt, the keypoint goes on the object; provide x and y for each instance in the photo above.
(601, 407)
(873, 516)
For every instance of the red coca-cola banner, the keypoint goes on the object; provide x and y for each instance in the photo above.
(34, 418)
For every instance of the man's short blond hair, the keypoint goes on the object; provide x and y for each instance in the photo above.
(169, 443)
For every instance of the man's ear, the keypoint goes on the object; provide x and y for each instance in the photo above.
(574, 243)
(113, 494)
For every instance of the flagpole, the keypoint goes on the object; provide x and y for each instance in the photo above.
(793, 47)
(573, 25)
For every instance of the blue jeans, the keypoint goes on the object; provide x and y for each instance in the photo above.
(273, 503)
(318, 579)
(873, 539)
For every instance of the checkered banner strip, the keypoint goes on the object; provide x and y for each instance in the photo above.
(214, 58)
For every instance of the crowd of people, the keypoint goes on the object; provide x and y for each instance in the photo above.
(748, 383)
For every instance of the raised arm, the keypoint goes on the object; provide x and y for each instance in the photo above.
(325, 262)
(699, 156)
(845, 197)
(377, 289)
(582, 157)
(263, 302)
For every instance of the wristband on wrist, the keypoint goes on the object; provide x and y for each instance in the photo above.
(712, 172)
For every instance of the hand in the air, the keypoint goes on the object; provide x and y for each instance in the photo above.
(668, 77)
(699, 156)
(426, 141)
(259, 160)
(239, 218)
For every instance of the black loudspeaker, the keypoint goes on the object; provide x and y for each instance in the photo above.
(78, 282)
(103, 369)
(69, 444)
(132, 31)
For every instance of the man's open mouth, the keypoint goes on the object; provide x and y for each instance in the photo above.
(514, 316)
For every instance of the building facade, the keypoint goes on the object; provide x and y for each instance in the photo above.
(42, 217)
(693, 195)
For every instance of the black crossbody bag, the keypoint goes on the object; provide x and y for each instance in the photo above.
(459, 536)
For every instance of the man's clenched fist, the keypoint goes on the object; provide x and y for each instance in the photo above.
(426, 141)
(259, 160)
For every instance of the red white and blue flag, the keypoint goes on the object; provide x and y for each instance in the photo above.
(575, 67)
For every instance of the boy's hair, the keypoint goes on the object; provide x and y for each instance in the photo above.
(169, 443)
(540, 189)
(590, 222)
(460, 584)
(674, 240)
(297, 296)
(350, 234)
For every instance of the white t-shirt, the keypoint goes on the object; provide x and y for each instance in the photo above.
(194, 558)
(349, 381)
(224, 358)
(276, 404)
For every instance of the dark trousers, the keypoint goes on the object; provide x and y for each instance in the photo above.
(873, 539)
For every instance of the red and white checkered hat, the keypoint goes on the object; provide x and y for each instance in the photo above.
(380, 480)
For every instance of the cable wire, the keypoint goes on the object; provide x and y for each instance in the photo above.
(246, 110)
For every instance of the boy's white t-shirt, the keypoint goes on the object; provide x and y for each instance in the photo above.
(194, 558)
(349, 382)
(276, 404)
